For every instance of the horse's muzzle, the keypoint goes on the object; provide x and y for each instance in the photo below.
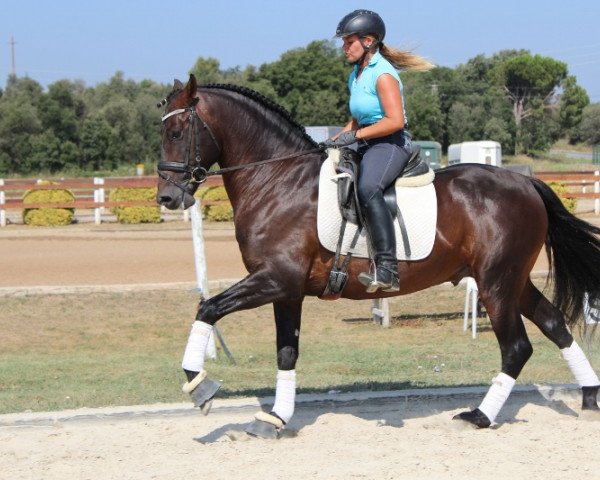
(173, 198)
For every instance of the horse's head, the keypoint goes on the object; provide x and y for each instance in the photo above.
(188, 147)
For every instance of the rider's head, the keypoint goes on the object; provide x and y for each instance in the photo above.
(363, 25)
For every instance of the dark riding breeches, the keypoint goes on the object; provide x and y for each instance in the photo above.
(383, 160)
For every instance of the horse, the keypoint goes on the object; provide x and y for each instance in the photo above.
(491, 225)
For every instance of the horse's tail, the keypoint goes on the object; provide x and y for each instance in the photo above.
(573, 249)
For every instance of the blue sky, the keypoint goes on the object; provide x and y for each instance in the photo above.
(92, 39)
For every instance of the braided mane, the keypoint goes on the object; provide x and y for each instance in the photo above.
(262, 100)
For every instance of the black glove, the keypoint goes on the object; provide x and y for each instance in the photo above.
(346, 138)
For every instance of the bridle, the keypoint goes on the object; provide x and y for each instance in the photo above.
(198, 174)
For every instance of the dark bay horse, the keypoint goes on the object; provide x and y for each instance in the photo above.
(492, 224)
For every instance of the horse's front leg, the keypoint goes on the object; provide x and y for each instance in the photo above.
(287, 321)
(253, 291)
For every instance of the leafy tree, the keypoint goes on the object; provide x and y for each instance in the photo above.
(425, 118)
(62, 109)
(572, 102)
(96, 136)
(206, 70)
(590, 124)
(530, 82)
(19, 120)
(302, 78)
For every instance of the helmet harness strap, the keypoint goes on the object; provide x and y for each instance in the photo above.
(367, 49)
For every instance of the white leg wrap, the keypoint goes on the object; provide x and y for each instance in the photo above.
(285, 394)
(496, 396)
(193, 358)
(580, 366)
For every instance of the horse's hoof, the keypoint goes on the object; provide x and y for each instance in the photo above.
(262, 429)
(203, 394)
(590, 401)
(475, 417)
(206, 406)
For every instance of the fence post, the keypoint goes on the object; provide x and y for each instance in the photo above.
(98, 198)
(2, 202)
(380, 311)
(200, 261)
(597, 191)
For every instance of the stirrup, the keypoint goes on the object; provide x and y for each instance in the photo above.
(372, 284)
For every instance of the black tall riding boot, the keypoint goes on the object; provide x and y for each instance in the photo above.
(380, 229)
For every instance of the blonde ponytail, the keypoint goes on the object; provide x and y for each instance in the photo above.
(404, 60)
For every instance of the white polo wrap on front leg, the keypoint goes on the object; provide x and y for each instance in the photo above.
(285, 394)
(195, 351)
(496, 396)
(580, 366)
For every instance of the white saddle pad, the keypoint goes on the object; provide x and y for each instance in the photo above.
(417, 204)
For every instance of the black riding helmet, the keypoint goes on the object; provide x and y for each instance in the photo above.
(361, 23)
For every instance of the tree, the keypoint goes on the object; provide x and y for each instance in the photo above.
(572, 102)
(96, 136)
(61, 110)
(304, 78)
(19, 120)
(590, 124)
(530, 83)
(206, 70)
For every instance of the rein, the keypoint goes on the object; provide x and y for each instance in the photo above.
(261, 162)
(199, 174)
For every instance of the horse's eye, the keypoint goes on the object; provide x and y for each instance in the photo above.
(175, 134)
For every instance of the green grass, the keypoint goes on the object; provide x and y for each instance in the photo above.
(71, 351)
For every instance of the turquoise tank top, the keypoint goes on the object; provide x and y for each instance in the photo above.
(365, 106)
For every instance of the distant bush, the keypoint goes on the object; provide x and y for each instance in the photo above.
(48, 217)
(222, 212)
(560, 189)
(135, 214)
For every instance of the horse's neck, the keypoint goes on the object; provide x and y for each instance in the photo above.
(254, 187)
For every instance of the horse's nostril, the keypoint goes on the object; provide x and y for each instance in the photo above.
(164, 199)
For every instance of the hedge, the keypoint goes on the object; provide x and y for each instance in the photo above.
(222, 212)
(560, 189)
(135, 214)
(48, 217)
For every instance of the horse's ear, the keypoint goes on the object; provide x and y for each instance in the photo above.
(177, 85)
(191, 85)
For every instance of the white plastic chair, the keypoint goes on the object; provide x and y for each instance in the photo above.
(472, 292)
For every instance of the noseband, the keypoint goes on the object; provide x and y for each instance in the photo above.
(197, 174)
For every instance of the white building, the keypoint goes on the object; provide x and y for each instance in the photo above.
(486, 152)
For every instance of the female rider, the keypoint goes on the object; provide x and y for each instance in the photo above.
(378, 124)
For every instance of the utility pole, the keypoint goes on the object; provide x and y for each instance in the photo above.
(12, 50)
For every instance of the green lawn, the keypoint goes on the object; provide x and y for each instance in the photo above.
(91, 350)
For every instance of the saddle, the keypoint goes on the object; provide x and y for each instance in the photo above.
(347, 170)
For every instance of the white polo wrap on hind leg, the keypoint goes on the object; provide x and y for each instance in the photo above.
(580, 366)
(285, 394)
(195, 351)
(496, 396)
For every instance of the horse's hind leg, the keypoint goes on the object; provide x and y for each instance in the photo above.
(515, 349)
(287, 321)
(551, 322)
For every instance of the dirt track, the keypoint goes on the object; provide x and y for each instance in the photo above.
(373, 439)
(366, 438)
(114, 254)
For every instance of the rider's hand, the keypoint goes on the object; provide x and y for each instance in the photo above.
(346, 138)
